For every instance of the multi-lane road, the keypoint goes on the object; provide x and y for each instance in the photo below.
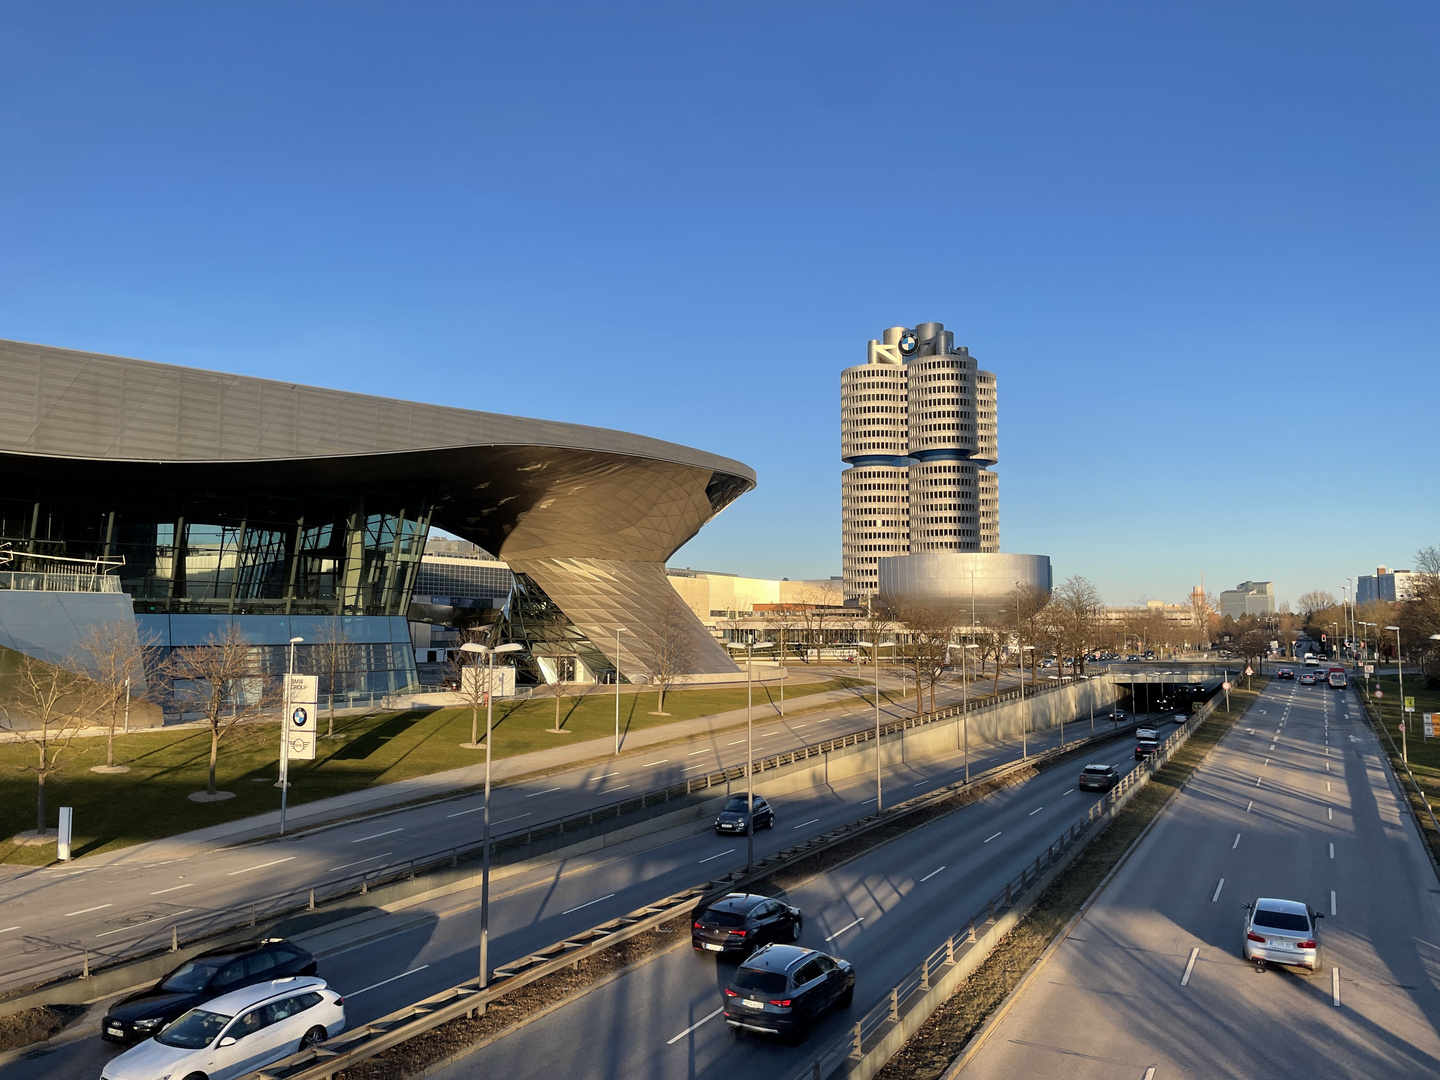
(1294, 803)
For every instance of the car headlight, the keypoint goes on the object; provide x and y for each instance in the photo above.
(149, 1025)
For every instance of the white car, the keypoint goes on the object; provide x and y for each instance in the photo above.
(236, 1033)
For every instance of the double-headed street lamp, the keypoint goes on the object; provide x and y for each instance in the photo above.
(489, 654)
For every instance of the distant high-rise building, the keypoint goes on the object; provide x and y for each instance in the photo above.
(1385, 584)
(918, 432)
(1248, 598)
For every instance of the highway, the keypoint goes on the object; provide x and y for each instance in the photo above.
(1294, 803)
(434, 947)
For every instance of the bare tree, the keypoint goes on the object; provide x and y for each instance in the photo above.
(1203, 611)
(117, 673)
(813, 607)
(1075, 613)
(42, 704)
(928, 630)
(1031, 622)
(461, 668)
(674, 653)
(333, 656)
(222, 680)
(781, 619)
(1315, 600)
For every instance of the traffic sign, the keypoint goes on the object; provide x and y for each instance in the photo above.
(1402, 727)
(1248, 672)
(1225, 686)
(1430, 720)
(1379, 692)
(1409, 704)
(1369, 669)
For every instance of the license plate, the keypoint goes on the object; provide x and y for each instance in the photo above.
(712, 948)
(749, 1004)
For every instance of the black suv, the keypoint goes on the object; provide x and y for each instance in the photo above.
(784, 989)
(735, 813)
(742, 922)
(206, 976)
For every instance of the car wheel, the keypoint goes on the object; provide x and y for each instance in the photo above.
(844, 1000)
(799, 1033)
(795, 928)
(771, 824)
(196, 1076)
(313, 1037)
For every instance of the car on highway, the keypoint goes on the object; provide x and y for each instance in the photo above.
(1307, 679)
(204, 976)
(734, 816)
(1147, 742)
(743, 922)
(1285, 932)
(1098, 777)
(784, 989)
(1285, 673)
(1118, 716)
(236, 1033)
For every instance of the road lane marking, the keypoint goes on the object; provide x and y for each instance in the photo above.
(1064, 793)
(1217, 891)
(8, 929)
(1257, 780)
(387, 832)
(173, 888)
(603, 775)
(1267, 764)
(385, 982)
(537, 794)
(132, 926)
(847, 926)
(1189, 966)
(1236, 843)
(263, 865)
(767, 734)
(737, 742)
(617, 787)
(989, 838)
(922, 783)
(86, 911)
(692, 768)
(1327, 785)
(802, 824)
(692, 1027)
(588, 903)
(931, 874)
(1035, 811)
(462, 813)
(692, 753)
(1149, 1073)
(1332, 902)
(711, 858)
(1250, 807)
(652, 764)
(359, 862)
(1335, 986)
(1332, 851)
(1330, 810)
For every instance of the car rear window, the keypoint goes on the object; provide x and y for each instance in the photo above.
(1281, 920)
(764, 982)
(1098, 770)
(723, 918)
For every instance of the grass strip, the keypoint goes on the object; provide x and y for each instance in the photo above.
(929, 1052)
(1423, 802)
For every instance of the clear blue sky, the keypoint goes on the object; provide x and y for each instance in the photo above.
(1197, 243)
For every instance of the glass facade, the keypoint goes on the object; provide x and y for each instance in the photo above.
(552, 642)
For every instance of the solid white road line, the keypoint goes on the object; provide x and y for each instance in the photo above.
(1332, 902)
(1236, 843)
(931, 874)
(1332, 851)
(376, 836)
(86, 911)
(173, 888)
(1189, 967)
(588, 903)
(1217, 891)
(537, 794)
(692, 1027)
(1335, 986)
(261, 866)
(989, 838)
(359, 862)
(709, 858)
(802, 824)
(384, 982)
(847, 926)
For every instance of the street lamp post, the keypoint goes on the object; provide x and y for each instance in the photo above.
(618, 631)
(750, 753)
(965, 685)
(1024, 711)
(1400, 671)
(489, 654)
(285, 735)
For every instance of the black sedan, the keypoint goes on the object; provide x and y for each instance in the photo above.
(1285, 673)
(206, 976)
(1098, 777)
(742, 922)
(736, 813)
(784, 989)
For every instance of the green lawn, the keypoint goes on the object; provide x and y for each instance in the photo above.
(149, 802)
(1424, 754)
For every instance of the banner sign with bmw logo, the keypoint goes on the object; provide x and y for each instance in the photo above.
(301, 692)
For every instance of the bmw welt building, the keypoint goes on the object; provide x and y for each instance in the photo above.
(191, 501)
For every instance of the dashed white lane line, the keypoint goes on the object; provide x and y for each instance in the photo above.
(711, 858)
(86, 911)
(133, 926)
(1267, 764)
(588, 903)
(652, 764)
(1149, 1073)
(1236, 843)
(1064, 793)
(1250, 807)
(931, 874)
(737, 742)
(1257, 780)
(389, 832)
(1035, 811)
(532, 795)
(359, 862)
(603, 775)
(922, 783)
(1330, 812)
(7, 929)
(703, 1020)
(692, 753)
(385, 982)
(692, 768)
(1332, 903)
(847, 926)
(989, 838)
(1332, 851)
(1217, 891)
(173, 888)
(263, 865)
(802, 824)
(1189, 966)
(1335, 986)
(767, 734)
(1327, 785)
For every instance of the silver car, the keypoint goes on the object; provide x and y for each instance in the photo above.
(1282, 932)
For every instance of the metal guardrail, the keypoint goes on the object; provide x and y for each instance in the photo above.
(546, 835)
(911, 991)
(27, 581)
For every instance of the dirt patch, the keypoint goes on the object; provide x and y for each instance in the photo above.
(35, 1025)
(942, 1037)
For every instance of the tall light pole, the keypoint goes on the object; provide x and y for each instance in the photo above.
(1400, 671)
(285, 735)
(618, 631)
(489, 654)
(1024, 712)
(965, 685)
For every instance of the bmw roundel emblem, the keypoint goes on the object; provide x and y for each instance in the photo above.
(907, 342)
(300, 717)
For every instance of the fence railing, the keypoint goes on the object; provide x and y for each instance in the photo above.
(28, 581)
